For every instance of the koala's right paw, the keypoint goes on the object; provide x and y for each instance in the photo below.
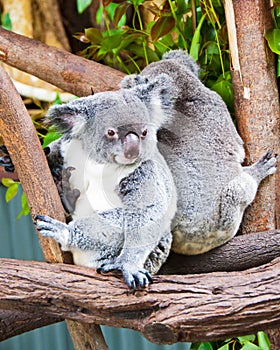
(54, 229)
(5, 160)
(266, 165)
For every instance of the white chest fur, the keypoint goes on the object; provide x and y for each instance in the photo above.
(96, 182)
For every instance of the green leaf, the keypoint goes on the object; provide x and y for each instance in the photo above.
(245, 338)
(162, 26)
(250, 346)
(94, 35)
(205, 346)
(6, 21)
(273, 38)
(7, 182)
(50, 137)
(224, 347)
(120, 11)
(195, 45)
(11, 192)
(111, 42)
(24, 207)
(82, 5)
(263, 341)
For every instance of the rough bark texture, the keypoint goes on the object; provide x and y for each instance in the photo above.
(175, 308)
(63, 69)
(257, 109)
(257, 105)
(37, 182)
(14, 323)
(240, 253)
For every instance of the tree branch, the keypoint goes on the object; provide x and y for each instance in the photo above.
(175, 308)
(14, 322)
(67, 71)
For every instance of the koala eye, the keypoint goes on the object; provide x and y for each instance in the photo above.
(111, 133)
(144, 133)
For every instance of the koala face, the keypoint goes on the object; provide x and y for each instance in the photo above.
(117, 127)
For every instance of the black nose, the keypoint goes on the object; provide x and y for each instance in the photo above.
(131, 145)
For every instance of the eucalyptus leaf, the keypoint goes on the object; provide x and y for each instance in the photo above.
(94, 35)
(195, 45)
(263, 341)
(11, 192)
(7, 182)
(273, 38)
(82, 5)
(162, 27)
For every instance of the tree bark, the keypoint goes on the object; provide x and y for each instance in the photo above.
(174, 308)
(238, 254)
(257, 107)
(257, 104)
(36, 179)
(15, 323)
(63, 69)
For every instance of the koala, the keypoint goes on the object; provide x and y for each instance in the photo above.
(204, 153)
(124, 193)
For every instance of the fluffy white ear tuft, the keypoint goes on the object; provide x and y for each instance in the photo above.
(159, 94)
(68, 118)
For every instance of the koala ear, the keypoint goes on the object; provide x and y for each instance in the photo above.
(159, 94)
(68, 118)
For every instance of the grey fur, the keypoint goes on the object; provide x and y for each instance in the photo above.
(126, 226)
(204, 153)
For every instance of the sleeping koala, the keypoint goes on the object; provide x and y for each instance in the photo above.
(125, 193)
(205, 153)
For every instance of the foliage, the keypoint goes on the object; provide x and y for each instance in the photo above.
(5, 21)
(12, 190)
(273, 35)
(129, 43)
(248, 342)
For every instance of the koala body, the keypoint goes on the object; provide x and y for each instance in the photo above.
(204, 153)
(126, 194)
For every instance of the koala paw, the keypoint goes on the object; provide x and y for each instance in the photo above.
(54, 229)
(133, 276)
(267, 164)
(5, 160)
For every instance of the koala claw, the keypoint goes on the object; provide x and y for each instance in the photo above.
(133, 277)
(5, 160)
(52, 228)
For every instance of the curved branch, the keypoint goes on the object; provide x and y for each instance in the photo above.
(175, 308)
(60, 68)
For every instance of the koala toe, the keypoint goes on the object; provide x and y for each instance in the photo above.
(132, 275)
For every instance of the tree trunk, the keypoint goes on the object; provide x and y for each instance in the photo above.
(36, 178)
(257, 107)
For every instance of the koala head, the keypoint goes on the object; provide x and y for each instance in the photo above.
(119, 126)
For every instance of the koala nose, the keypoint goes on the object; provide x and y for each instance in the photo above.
(131, 145)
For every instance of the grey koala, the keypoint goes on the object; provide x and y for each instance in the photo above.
(205, 153)
(125, 194)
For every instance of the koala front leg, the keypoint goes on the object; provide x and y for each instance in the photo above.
(241, 191)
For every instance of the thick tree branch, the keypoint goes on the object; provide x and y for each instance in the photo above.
(242, 252)
(60, 68)
(175, 308)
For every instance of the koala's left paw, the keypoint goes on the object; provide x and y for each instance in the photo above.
(52, 228)
(134, 277)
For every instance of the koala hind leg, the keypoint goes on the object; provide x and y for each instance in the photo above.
(241, 191)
